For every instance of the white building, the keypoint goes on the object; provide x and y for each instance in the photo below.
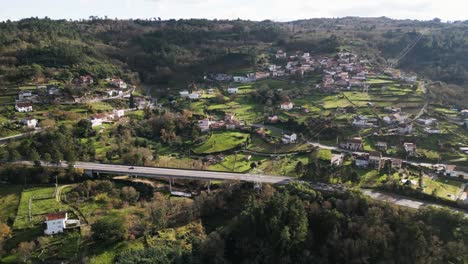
(55, 223)
(118, 113)
(194, 96)
(23, 107)
(432, 130)
(405, 129)
(205, 124)
(118, 83)
(337, 159)
(233, 90)
(30, 122)
(287, 105)
(184, 94)
(428, 121)
(24, 95)
(98, 119)
(289, 139)
(410, 148)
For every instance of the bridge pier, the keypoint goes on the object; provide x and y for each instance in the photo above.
(209, 186)
(170, 184)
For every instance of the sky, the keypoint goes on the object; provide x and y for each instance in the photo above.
(278, 10)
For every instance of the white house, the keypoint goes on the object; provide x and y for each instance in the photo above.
(117, 82)
(405, 129)
(233, 90)
(432, 130)
(23, 107)
(118, 113)
(428, 121)
(114, 92)
(30, 122)
(337, 159)
(98, 119)
(184, 94)
(55, 223)
(53, 90)
(410, 148)
(205, 124)
(287, 105)
(289, 139)
(24, 95)
(194, 96)
(362, 161)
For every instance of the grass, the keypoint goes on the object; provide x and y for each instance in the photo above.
(107, 254)
(101, 107)
(234, 163)
(39, 207)
(9, 201)
(443, 187)
(221, 141)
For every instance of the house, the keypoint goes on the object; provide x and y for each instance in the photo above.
(354, 144)
(363, 121)
(400, 117)
(211, 91)
(114, 92)
(427, 122)
(98, 119)
(194, 96)
(396, 163)
(289, 139)
(23, 107)
(205, 124)
(381, 145)
(55, 223)
(273, 119)
(184, 94)
(337, 160)
(464, 150)
(287, 104)
(24, 95)
(53, 90)
(118, 113)
(233, 90)
(410, 78)
(261, 75)
(375, 159)
(29, 122)
(432, 130)
(464, 112)
(410, 148)
(362, 161)
(404, 129)
(119, 83)
(280, 54)
(83, 80)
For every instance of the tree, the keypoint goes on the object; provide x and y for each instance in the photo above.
(25, 250)
(131, 101)
(110, 229)
(34, 155)
(129, 194)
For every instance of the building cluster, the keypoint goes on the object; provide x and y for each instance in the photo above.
(99, 119)
(229, 122)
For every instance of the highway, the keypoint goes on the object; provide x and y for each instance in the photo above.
(151, 172)
(161, 173)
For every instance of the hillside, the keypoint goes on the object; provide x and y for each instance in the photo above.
(176, 52)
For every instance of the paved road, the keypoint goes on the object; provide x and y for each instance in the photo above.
(152, 172)
(403, 201)
(158, 173)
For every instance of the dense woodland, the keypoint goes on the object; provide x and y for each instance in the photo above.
(163, 52)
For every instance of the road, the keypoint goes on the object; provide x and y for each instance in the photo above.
(5, 140)
(158, 173)
(403, 201)
(151, 172)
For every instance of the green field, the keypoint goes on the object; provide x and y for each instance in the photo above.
(39, 207)
(9, 201)
(221, 141)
